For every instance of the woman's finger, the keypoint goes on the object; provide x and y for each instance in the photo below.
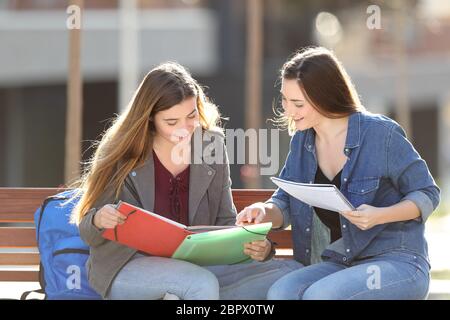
(248, 216)
(256, 248)
(352, 215)
(114, 219)
(248, 252)
(113, 211)
(109, 224)
(248, 246)
(355, 214)
(363, 207)
(242, 216)
(115, 215)
(252, 253)
(259, 218)
(260, 244)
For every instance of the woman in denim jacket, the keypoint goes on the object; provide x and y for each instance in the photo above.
(379, 250)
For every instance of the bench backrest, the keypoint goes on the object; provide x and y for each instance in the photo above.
(19, 257)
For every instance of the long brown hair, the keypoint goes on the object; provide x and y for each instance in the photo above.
(127, 143)
(324, 83)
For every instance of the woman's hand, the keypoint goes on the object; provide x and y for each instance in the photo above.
(258, 250)
(365, 217)
(108, 217)
(254, 213)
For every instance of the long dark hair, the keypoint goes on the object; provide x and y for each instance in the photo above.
(324, 82)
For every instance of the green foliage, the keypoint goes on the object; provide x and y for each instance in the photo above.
(442, 210)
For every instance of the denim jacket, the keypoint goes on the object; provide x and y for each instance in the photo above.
(382, 169)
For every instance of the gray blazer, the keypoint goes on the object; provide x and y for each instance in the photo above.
(210, 203)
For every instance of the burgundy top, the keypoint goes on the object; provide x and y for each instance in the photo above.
(171, 193)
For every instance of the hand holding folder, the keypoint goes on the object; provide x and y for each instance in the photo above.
(203, 245)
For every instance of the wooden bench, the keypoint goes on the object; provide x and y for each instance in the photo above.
(19, 257)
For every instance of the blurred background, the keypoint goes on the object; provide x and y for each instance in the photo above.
(397, 53)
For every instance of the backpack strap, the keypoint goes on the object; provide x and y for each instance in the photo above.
(41, 290)
(27, 293)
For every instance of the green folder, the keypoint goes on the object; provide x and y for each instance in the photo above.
(221, 247)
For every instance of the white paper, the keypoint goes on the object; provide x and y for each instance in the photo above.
(325, 196)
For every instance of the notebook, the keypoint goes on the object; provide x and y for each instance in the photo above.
(325, 196)
(222, 246)
(204, 245)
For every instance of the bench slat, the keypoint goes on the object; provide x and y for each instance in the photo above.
(11, 237)
(19, 204)
(16, 217)
(19, 258)
(19, 275)
(282, 238)
(245, 197)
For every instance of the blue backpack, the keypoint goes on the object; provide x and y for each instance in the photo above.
(62, 271)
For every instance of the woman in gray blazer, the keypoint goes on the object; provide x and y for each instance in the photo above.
(154, 156)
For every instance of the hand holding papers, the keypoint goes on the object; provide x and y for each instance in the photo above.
(325, 196)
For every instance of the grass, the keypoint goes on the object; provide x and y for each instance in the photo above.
(442, 210)
(440, 274)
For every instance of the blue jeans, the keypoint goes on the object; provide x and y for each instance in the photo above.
(150, 278)
(395, 275)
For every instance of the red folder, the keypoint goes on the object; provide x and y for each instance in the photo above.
(147, 231)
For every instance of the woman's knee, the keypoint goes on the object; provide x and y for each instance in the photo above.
(153, 277)
(204, 286)
(317, 292)
(283, 289)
